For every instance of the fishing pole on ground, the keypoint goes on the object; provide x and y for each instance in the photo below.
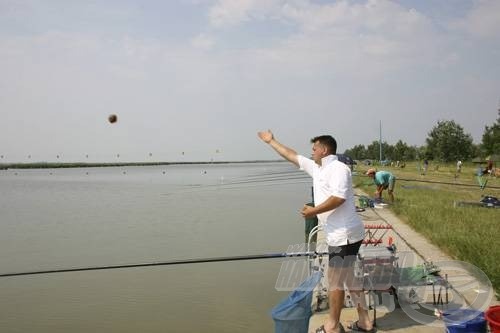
(435, 182)
(312, 254)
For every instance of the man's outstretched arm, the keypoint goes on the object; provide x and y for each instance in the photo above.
(287, 153)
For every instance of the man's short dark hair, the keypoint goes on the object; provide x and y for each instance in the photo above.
(328, 141)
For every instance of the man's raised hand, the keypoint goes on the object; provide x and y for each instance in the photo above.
(266, 136)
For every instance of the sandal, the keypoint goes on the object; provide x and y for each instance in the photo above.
(322, 329)
(355, 328)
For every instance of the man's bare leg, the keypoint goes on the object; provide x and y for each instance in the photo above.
(336, 296)
(363, 316)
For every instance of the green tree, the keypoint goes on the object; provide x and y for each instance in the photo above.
(357, 152)
(373, 151)
(403, 152)
(476, 150)
(388, 151)
(491, 138)
(419, 153)
(447, 142)
(411, 153)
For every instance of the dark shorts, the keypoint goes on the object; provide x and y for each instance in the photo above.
(344, 255)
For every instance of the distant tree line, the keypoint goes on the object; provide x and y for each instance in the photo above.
(50, 165)
(446, 142)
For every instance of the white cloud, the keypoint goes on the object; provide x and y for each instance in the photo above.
(362, 39)
(230, 12)
(372, 37)
(374, 15)
(482, 21)
(203, 41)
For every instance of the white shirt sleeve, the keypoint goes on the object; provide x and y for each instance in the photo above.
(339, 182)
(306, 164)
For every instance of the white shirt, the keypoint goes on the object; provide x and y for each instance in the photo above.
(333, 178)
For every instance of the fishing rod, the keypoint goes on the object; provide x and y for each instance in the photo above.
(444, 183)
(436, 182)
(171, 262)
(245, 184)
(268, 179)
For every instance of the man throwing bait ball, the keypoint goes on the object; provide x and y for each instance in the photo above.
(336, 211)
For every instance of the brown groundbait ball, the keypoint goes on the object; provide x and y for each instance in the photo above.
(112, 118)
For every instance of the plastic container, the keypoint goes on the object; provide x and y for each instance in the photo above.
(465, 321)
(412, 276)
(365, 202)
(492, 316)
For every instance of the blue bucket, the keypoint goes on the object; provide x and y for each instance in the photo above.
(465, 321)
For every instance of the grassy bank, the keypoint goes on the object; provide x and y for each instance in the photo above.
(465, 233)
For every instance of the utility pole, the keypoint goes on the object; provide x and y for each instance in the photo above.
(380, 142)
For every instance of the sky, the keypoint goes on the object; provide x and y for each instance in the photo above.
(195, 80)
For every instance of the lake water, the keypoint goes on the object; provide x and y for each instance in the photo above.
(64, 218)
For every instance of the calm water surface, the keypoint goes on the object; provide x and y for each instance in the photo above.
(63, 218)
